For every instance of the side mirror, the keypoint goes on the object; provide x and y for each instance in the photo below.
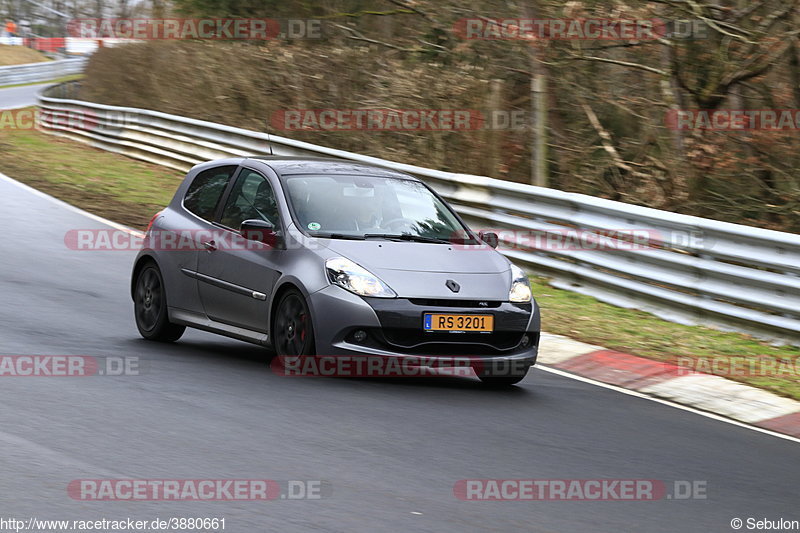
(260, 231)
(490, 238)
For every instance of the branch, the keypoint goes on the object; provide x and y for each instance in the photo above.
(406, 5)
(746, 12)
(622, 64)
(622, 45)
(744, 74)
(358, 36)
(776, 16)
(360, 14)
(608, 145)
(698, 12)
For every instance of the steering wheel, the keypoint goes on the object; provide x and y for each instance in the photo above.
(400, 222)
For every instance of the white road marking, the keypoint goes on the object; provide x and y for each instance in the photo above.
(70, 207)
(638, 394)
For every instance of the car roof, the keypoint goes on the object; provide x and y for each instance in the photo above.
(292, 165)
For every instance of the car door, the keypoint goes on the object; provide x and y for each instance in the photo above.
(236, 277)
(180, 231)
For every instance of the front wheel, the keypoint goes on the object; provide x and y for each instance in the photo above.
(293, 330)
(150, 307)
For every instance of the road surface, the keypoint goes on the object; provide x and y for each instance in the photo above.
(20, 96)
(392, 450)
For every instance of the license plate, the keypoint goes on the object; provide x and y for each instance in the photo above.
(440, 322)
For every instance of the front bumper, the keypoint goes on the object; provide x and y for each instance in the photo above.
(393, 328)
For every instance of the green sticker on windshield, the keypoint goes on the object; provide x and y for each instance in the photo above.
(313, 226)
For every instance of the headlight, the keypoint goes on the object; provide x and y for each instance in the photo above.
(356, 279)
(520, 286)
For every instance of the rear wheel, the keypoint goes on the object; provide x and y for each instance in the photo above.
(293, 331)
(150, 307)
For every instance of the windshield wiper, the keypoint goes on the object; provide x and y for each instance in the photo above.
(406, 237)
(338, 236)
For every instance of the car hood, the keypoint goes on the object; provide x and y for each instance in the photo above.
(420, 270)
(420, 257)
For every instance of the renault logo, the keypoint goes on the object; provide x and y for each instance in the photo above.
(453, 286)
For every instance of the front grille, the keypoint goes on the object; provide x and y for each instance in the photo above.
(413, 338)
(436, 344)
(402, 331)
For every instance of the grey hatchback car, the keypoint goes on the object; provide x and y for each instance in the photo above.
(315, 257)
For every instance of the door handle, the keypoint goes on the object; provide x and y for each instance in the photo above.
(210, 246)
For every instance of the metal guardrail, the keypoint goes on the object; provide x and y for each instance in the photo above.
(45, 71)
(697, 270)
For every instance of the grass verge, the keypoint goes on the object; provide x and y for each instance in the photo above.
(627, 330)
(107, 184)
(19, 55)
(130, 192)
(71, 77)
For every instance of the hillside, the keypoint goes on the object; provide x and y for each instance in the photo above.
(607, 104)
(19, 55)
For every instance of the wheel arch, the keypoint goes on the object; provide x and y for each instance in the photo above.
(141, 262)
(283, 286)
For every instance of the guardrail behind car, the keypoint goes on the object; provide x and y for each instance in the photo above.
(694, 270)
(45, 71)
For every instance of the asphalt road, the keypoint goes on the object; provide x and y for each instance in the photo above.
(392, 450)
(20, 96)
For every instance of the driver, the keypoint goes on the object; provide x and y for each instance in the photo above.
(368, 214)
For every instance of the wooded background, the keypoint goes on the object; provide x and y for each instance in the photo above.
(596, 109)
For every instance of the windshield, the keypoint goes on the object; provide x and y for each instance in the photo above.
(367, 207)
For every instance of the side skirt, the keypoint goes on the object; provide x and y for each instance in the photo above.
(201, 321)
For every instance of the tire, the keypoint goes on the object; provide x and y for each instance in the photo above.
(150, 307)
(293, 328)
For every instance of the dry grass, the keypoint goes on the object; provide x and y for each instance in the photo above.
(627, 330)
(19, 55)
(110, 185)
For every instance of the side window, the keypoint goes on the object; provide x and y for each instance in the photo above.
(206, 189)
(252, 197)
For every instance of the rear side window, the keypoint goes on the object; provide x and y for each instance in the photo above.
(206, 189)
